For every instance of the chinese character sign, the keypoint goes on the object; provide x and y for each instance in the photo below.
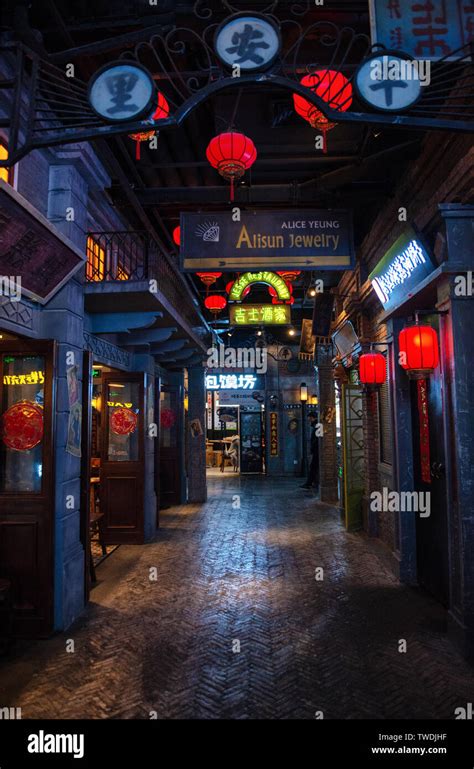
(273, 434)
(249, 42)
(426, 29)
(231, 381)
(404, 265)
(259, 314)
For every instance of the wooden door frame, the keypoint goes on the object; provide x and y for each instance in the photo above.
(85, 467)
(124, 537)
(27, 506)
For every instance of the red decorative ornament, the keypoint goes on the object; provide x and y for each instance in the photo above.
(289, 275)
(167, 418)
(331, 86)
(22, 426)
(177, 235)
(276, 300)
(291, 300)
(245, 292)
(372, 368)
(231, 153)
(215, 303)
(123, 421)
(162, 111)
(208, 278)
(418, 346)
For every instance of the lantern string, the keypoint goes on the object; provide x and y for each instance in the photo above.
(137, 150)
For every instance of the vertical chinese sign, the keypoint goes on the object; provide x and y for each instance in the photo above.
(273, 434)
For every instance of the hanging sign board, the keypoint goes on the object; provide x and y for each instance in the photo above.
(404, 265)
(274, 240)
(122, 91)
(250, 42)
(259, 314)
(391, 82)
(426, 30)
(39, 258)
(273, 434)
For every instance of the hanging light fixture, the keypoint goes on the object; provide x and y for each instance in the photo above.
(208, 278)
(418, 346)
(162, 111)
(231, 153)
(215, 303)
(372, 368)
(331, 86)
(177, 235)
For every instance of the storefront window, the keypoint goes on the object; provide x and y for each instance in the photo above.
(168, 420)
(22, 424)
(123, 421)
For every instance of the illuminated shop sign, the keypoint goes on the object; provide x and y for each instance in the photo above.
(267, 240)
(34, 377)
(257, 314)
(269, 278)
(233, 382)
(404, 265)
(117, 405)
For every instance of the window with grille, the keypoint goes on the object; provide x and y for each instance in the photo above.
(95, 269)
(385, 425)
(5, 173)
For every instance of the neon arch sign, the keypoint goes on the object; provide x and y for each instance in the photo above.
(249, 278)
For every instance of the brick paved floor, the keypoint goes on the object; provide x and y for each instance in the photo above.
(246, 575)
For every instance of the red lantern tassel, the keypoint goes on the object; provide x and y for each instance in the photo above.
(231, 189)
(325, 141)
(137, 150)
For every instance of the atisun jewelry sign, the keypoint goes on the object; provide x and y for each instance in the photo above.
(275, 240)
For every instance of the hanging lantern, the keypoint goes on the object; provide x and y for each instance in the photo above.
(418, 347)
(274, 294)
(162, 111)
(245, 292)
(177, 235)
(231, 153)
(215, 303)
(208, 278)
(372, 368)
(289, 275)
(331, 86)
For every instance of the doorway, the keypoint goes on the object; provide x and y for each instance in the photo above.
(353, 455)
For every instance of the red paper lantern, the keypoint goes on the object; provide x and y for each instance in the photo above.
(231, 153)
(162, 111)
(123, 421)
(208, 278)
(372, 368)
(418, 346)
(289, 275)
(22, 426)
(331, 86)
(177, 235)
(229, 285)
(215, 303)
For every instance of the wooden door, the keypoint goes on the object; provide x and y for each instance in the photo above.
(122, 471)
(170, 445)
(353, 455)
(432, 530)
(251, 442)
(27, 499)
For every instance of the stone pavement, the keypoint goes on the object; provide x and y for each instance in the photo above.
(228, 577)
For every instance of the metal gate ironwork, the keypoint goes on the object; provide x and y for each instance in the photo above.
(353, 452)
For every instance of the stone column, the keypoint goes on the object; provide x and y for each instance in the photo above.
(62, 319)
(327, 416)
(197, 485)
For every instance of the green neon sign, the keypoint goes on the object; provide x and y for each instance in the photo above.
(260, 314)
(270, 278)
